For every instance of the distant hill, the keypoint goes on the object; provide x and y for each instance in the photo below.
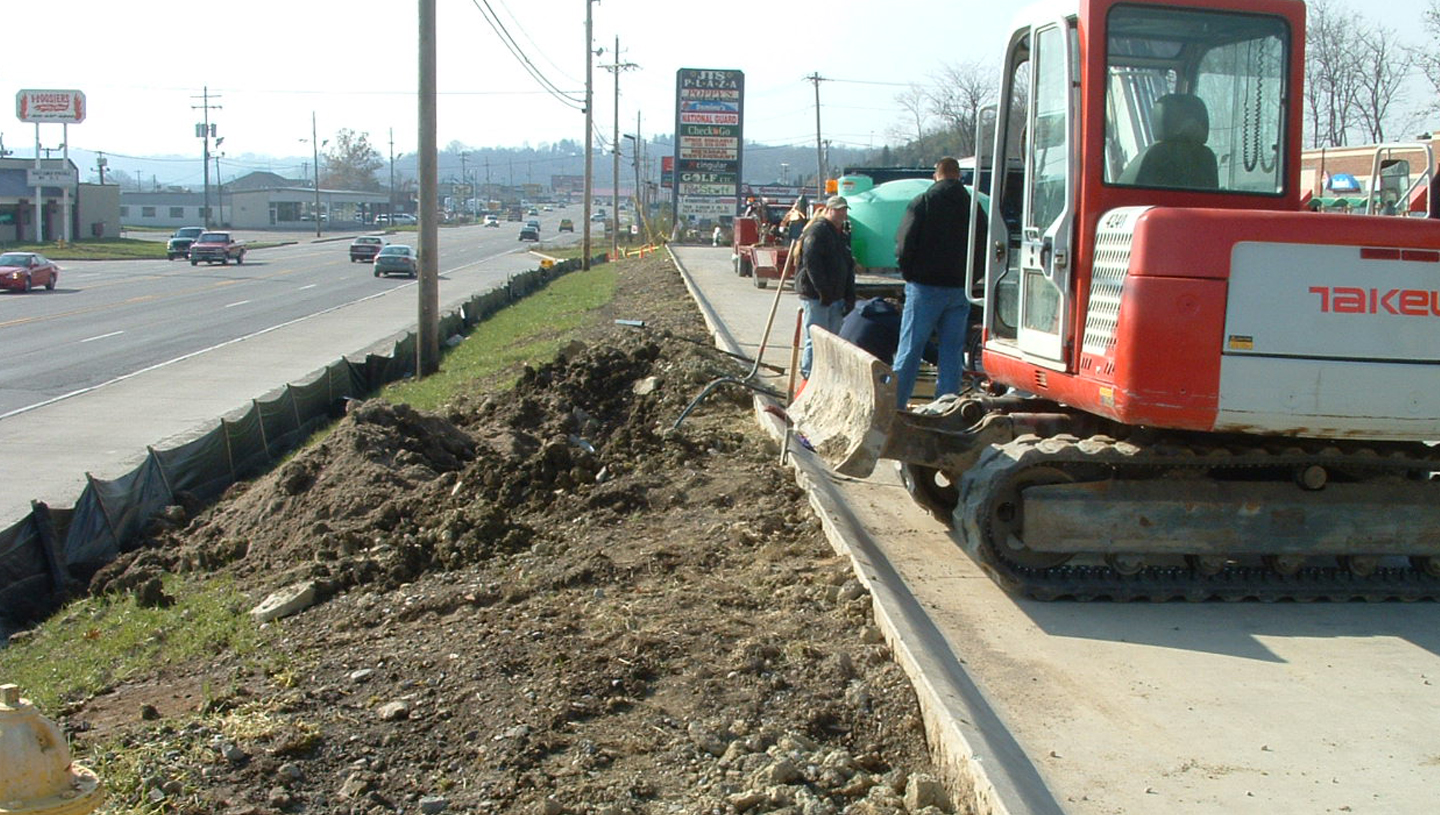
(763, 164)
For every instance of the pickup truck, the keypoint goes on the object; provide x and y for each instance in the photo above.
(217, 247)
(179, 244)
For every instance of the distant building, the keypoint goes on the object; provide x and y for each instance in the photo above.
(94, 208)
(1390, 176)
(259, 200)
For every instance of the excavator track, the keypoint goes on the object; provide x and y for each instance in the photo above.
(990, 518)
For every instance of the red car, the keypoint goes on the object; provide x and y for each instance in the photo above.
(23, 271)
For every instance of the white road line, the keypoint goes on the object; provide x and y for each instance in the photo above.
(241, 303)
(52, 400)
(103, 336)
(311, 286)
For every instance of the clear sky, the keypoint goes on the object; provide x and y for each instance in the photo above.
(270, 64)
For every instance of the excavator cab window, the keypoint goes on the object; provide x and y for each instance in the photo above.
(1195, 100)
(1011, 187)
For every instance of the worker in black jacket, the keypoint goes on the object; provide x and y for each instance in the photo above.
(826, 280)
(931, 246)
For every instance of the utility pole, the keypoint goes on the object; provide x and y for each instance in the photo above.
(315, 146)
(390, 213)
(219, 186)
(616, 67)
(100, 162)
(205, 130)
(589, 128)
(464, 179)
(427, 344)
(819, 149)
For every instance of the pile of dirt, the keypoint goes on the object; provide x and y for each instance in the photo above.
(543, 600)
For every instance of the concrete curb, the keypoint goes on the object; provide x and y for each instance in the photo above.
(981, 763)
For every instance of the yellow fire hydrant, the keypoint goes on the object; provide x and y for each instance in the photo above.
(36, 774)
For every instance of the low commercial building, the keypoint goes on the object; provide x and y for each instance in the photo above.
(260, 200)
(93, 210)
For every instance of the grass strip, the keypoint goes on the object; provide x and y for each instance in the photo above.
(529, 331)
(97, 642)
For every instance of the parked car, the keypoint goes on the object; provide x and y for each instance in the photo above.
(23, 271)
(179, 244)
(492, 220)
(217, 247)
(567, 225)
(366, 247)
(405, 218)
(397, 258)
(529, 232)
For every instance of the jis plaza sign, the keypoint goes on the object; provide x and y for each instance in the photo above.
(709, 115)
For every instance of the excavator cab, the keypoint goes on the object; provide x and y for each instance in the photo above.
(1198, 390)
(1192, 112)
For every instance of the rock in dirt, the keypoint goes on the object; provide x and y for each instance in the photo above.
(393, 711)
(286, 601)
(924, 791)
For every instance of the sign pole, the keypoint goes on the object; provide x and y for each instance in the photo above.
(39, 234)
(65, 190)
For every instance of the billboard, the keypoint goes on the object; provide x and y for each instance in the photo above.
(67, 107)
(709, 129)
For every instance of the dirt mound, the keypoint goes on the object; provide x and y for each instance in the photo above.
(539, 600)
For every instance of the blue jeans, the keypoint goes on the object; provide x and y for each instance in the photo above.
(827, 317)
(929, 309)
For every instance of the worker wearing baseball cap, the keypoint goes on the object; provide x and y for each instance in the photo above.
(826, 279)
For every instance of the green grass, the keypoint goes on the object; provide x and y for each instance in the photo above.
(97, 249)
(94, 643)
(112, 249)
(530, 331)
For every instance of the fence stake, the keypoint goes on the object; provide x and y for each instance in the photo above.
(229, 454)
(160, 468)
(104, 512)
(260, 417)
(294, 408)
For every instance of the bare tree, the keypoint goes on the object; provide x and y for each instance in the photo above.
(958, 92)
(1382, 68)
(914, 101)
(1332, 73)
(1426, 58)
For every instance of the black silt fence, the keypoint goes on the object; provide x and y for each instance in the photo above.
(42, 556)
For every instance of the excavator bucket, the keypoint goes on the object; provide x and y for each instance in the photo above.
(847, 407)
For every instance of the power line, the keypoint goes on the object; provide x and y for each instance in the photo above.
(514, 48)
(868, 82)
(531, 40)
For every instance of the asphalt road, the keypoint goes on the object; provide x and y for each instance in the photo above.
(126, 355)
(108, 319)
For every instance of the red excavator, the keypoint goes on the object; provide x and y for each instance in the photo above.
(1197, 389)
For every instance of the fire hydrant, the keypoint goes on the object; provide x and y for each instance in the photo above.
(37, 776)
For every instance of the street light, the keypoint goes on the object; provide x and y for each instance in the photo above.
(639, 190)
